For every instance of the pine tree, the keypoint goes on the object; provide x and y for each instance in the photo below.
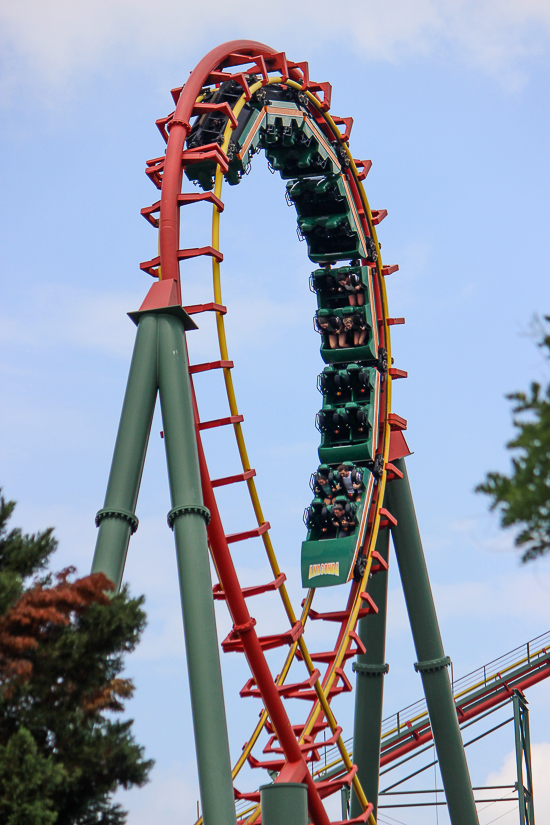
(62, 642)
(523, 497)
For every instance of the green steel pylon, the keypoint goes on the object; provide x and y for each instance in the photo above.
(432, 663)
(159, 364)
(371, 669)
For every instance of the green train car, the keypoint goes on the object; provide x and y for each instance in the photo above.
(337, 518)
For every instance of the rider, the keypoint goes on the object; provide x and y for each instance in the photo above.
(343, 521)
(325, 484)
(331, 326)
(349, 481)
(351, 285)
(360, 329)
(346, 338)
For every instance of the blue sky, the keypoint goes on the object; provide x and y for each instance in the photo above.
(450, 101)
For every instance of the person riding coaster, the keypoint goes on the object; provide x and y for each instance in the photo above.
(318, 516)
(343, 517)
(349, 481)
(351, 285)
(325, 484)
(329, 325)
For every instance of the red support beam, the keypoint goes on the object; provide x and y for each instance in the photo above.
(242, 622)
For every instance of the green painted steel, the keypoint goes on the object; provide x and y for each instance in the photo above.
(129, 455)
(523, 754)
(327, 562)
(160, 361)
(369, 686)
(199, 622)
(284, 803)
(432, 662)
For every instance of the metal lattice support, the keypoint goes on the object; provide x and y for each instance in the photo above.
(523, 759)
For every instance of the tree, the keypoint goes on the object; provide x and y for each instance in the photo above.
(62, 642)
(523, 497)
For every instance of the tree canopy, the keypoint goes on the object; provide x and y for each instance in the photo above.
(63, 752)
(523, 496)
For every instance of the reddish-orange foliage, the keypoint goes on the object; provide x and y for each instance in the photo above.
(39, 612)
(106, 699)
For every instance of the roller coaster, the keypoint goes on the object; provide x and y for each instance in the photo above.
(244, 97)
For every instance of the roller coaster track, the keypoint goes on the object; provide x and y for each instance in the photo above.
(273, 91)
(485, 688)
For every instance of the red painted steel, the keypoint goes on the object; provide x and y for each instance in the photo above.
(396, 422)
(179, 129)
(348, 123)
(248, 534)
(398, 446)
(393, 472)
(233, 642)
(211, 365)
(242, 623)
(378, 215)
(221, 422)
(365, 166)
(395, 373)
(387, 517)
(222, 482)
(343, 615)
(255, 590)
(194, 309)
(196, 197)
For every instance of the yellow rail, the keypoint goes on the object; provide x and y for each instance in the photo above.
(322, 706)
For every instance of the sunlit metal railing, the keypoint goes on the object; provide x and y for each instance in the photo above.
(492, 673)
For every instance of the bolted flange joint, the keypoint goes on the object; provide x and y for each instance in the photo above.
(117, 512)
(432, 664)
(370, 670)
(188, 509)
(244, 628)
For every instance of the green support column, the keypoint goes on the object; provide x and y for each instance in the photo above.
(189, 517)
(371, 668)
(160, 362)
(284, 803)
(432, 662)
(117, 520)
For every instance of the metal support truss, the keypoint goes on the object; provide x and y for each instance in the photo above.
(524, 781)
(523, 759)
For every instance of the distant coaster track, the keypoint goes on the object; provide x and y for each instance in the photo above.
(244, 96)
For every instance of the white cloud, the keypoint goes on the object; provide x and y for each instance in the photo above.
(540, 754)
(59, 40)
